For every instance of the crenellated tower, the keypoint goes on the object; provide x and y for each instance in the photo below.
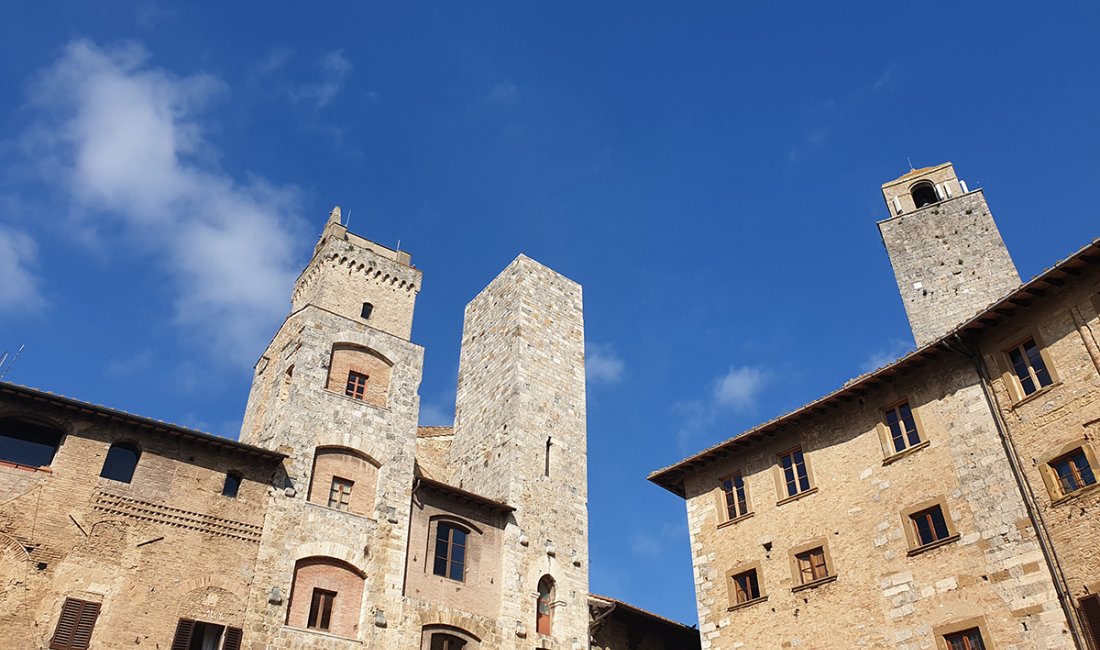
(948, 256)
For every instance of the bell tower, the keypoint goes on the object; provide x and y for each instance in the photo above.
(948, 256)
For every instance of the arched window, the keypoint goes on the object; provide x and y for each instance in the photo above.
(543, 613)
(451, 542)
(924, 193)
(28, 444)
(359, 373)
(232, 485)
(447, 637)
(122, 460)
(444, 641)
(326, 595)
(343, 479)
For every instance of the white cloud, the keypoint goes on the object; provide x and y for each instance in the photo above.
(334, 69)
(123, 139)
(436, 414)
(739, 388)
(646, 545)
(891, 352)
(602, 364)
(19, 291)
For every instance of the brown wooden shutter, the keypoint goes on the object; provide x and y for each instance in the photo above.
(184, 630)
(233, 636)
(74, 627)
(1090, 611)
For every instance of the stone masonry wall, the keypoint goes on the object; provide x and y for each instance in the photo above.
(883, 596)
(949, 261)
(521, 381)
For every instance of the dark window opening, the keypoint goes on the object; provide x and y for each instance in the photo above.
(367, 309)
(929, 525)
(24, 443)
(1073, 471)
(546, 470)
(122, 460)
(74, 627)
(746, 587)
(450, 551)
(320, 609)
(198, 635)
(357, 385)
(232, 485)
(966, 640)
(1031, 370)
(447, 642)
(924, 194)
(733, 488)
(1090, 612)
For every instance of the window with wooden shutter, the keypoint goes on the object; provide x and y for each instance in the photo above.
(233, 637)
(184, 630)
(74, 628)
(1090, 611)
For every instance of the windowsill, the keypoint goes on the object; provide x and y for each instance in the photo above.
(322, 633)
(1072, 496)
(343, 512)
(905, 452)
(936, 544)
(747, 603)
(816, 583)
(362, 402)
(796, 497)
(1036, 395)
(26, 468)
(730, 522)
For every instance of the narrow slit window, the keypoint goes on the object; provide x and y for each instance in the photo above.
(546, 470)
(1073, 471)
(966, 640)
(232, 485)
(902, 426)
(733, 491)
(795, 476)
(746, 587)
(320, 609)
(357, 385)
(929, 526)
(339, 495)
(811, 565)
(1029, 367)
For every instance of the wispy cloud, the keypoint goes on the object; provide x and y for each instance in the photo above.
(124, 141)
(831, 112)
(335, 68)
(739, 388)
(888, 353)
(737, 391)
(602, 364)
(436, 413)
(651, 543)
(19, 286)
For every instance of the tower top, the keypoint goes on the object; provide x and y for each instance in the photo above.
(919, 188)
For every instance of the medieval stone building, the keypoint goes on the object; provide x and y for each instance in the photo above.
(947, 500)
(335, 522)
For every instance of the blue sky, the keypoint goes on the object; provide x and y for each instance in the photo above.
(708, 171)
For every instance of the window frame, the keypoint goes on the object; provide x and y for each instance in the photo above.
(958, 627)
(732, 586)
(1011, 378)
(34, 423)
(723, 496)
(322, 603)
(912, 536)
(83, 623)
(448, 558)
(341, 497)
(356, 385)
(1050, 475)
(781, 483)
(122, 444)
(886, 437)
(796, 564)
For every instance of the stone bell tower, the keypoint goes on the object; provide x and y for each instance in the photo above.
(948, 256)
(520, 437)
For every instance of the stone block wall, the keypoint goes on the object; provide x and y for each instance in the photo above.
(949, 261)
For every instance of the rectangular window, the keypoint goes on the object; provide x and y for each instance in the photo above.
(74, 627)
(197, 635)
(966, 640)
(450, 551)
(929, 526)
(733, 489)
(1029, 367)
(793, 464)
(1090, 612)
(357, 385)
(811, 565)
(746, 587)
(320, 609)
(902, 427)
(1073, 471)
(340, 494)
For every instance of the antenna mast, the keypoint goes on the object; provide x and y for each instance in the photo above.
(4, 369)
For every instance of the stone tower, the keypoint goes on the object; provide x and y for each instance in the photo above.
(948, 256)
(520, 437)
(336, 390)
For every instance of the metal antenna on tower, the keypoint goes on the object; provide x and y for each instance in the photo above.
(348, 220)
(4, 369)
(911, 168)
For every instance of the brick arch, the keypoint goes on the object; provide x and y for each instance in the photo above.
(14, 566)
(212, 603)
(332, 550)
(381, 345)
(344, 583)
(445, 618)
(218, 582)
(347, 464)
(365, 362)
